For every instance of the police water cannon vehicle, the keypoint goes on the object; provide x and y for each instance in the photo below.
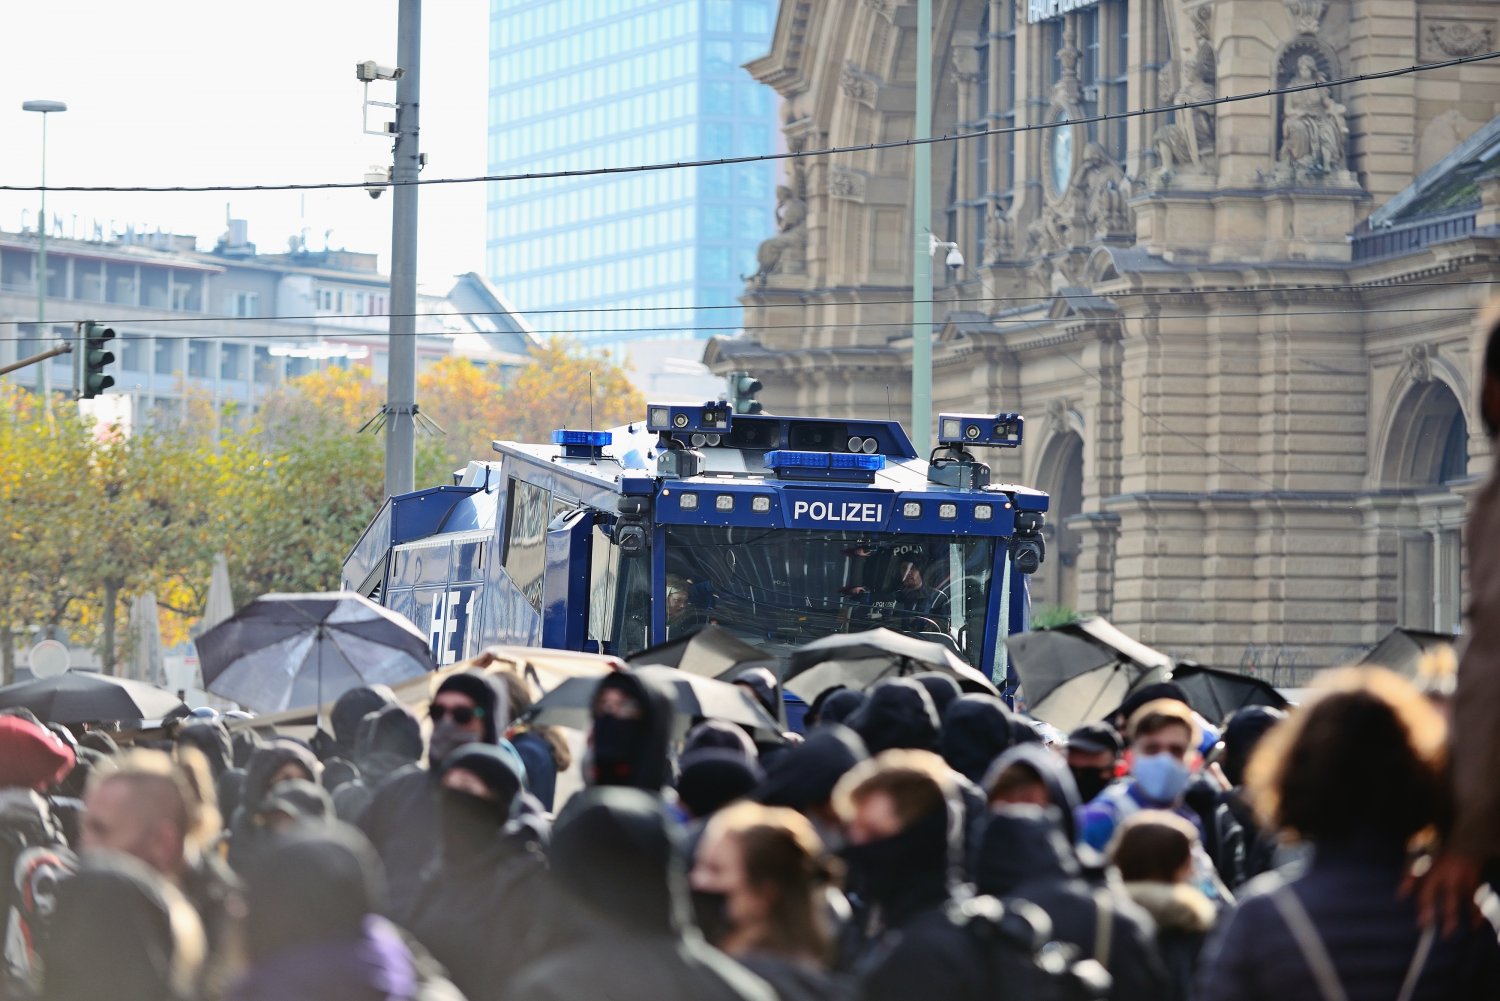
(780, 529)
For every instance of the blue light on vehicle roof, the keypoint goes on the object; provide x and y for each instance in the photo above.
(596, 439)
(786, 459)
(848, 460)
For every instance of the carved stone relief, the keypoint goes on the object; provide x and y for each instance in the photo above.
(859, 85)
(1449, 38)
(1307, 15)
(846, 184)
(785, 253)
(1188, 145)
(1417, 365)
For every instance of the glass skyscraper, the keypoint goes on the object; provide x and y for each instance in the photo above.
(578, 84)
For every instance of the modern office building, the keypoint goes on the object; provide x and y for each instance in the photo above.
(231, 324)
(579, 84)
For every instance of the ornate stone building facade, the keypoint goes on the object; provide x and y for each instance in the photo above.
(1242, 333)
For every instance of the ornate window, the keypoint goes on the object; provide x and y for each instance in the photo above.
(983, 173)
(1103, 33)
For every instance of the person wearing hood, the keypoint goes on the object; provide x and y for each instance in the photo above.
(210, 738)
(631, 733)
(710, 778)
(347, 713)
(1030, 773)
(904, 846)
(832, 705)
(1153, 854)
(314, 930)
(760, 878)
(404, 819)
(976, 731)
(618, 866)
(281, 759)
(122, 932)
(805, 776)
(762, 686)
(1242, 734)
(1025, 855)
(898, 713)
(388, 740)
(1163, 756)
(485, 910)
(941, 688)
(295, 803)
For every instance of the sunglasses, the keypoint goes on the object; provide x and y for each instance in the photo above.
(462, 715)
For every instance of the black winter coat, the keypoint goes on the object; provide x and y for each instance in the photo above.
(404, 824)
(1350, 891)
(1184, 917)
(1025, 856)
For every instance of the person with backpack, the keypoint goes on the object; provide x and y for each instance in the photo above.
(1357, 772)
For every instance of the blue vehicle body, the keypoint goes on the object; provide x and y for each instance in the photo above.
(779, 529)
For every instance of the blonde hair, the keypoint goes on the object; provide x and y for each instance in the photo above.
(1158, 714)
(917, 782)
(179, 791)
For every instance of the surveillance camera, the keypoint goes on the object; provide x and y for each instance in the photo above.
(955, 259)
(376, 179)
(369, 71)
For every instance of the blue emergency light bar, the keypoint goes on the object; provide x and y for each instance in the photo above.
(686, 418)
(582, 444)
(824, 465)
(992, 430)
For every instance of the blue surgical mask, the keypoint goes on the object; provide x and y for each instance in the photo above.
(1161, 778)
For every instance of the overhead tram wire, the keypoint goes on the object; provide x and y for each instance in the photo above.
(617, 310)
(303, 335)
(790, 155)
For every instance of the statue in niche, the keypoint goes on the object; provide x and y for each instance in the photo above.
(786, 251)
(998, 234)
(1314, 127)
(1189, 141)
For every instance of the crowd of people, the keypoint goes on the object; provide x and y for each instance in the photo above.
(912, 841)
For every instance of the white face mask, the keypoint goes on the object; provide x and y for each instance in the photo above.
(1161, 778)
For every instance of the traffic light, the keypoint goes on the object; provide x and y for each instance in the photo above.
(93, 379)
(742, 389)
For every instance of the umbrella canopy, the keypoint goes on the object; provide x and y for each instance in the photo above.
(288, 650)
(696, 697)
(859, 660)
(1076, 673)
(1214, 694)
(1402, 649)
(85, 697)
(710, 652)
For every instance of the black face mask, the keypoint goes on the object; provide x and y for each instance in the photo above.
(470, 824)
(711, 912)
(881, 870)
(1091, 781)
(616, 748)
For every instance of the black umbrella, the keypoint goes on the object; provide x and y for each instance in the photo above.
(695, 697)
(859, 660)
(284, 651)
(1215, 694)
(1402, 649)
(1076, 673)
(85, 697)
(710, 652)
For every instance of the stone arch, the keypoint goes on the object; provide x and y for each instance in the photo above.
(1426, 440)
(1060, 474)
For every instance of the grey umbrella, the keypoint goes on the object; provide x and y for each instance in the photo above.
(695, 697)
(1402, 649)
(859, 660)
(711, 652)
(82, 697)
(283, 651)
(1077, 673)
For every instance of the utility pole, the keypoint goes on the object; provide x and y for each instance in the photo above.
(44, 108)
(401, 372)
(921, 241)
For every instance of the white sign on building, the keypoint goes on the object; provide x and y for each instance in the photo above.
(1046, 10)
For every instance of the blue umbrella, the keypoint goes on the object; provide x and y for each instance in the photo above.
(285, 651)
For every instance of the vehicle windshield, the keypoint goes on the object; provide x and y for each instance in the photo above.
(778, 588)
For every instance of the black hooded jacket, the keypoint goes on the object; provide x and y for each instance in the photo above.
(113, 935)
(350, 709)
(899, 713)
(804, 775)
(245, 834)
(404, 819)
(388, 740)
(1024, 855)
(211, 739)
(1062, 789)
(633, 752)
(976, 731)
(617, 863)
(486, 910)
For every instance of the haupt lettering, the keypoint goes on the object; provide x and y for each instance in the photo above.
(845, 511)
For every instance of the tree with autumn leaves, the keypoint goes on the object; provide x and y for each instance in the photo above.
(91, 517)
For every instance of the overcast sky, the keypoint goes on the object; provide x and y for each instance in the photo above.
(192, 92)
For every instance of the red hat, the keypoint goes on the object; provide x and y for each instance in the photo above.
(30, 757)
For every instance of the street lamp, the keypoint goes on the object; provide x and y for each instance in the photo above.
(45, 108)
